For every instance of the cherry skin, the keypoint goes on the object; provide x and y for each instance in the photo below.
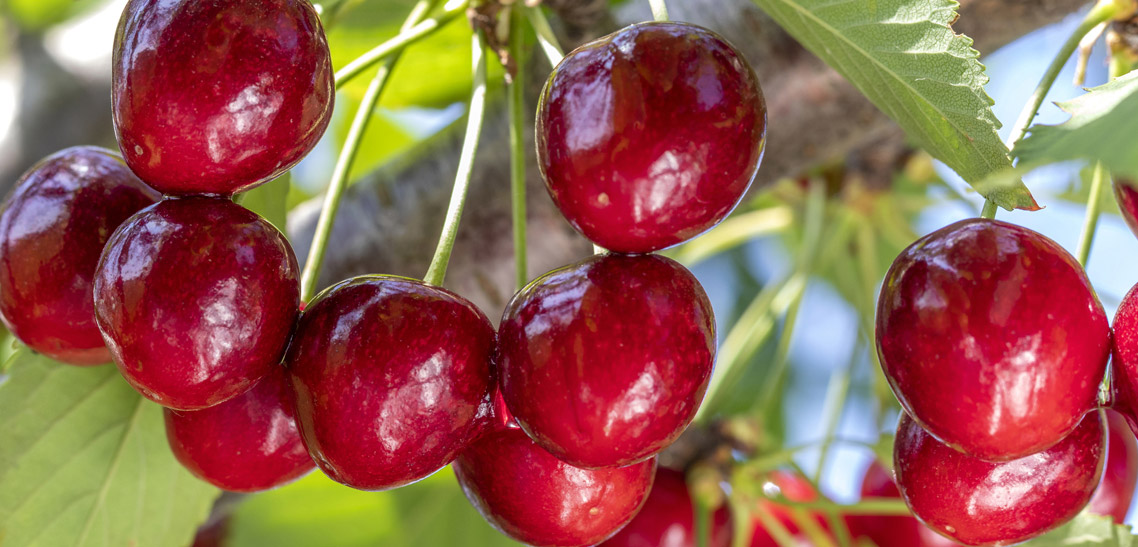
(977, 502)
(393, 378)
(196, 298)
(891, 530)
(246, 444)
(531, 496)
(1124, 362)
(1127, 196)
(218, 96)
(605, 362)
(667, 518)
(53, 227)
(651, 135)
(794, 487)
(1119, 476)
(992, 338)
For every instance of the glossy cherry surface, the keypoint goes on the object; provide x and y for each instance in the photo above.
(890, 530)
(53, 227)
(1124, 362)
(1127, 195)
(217, 96)
(650, 136)
(977, 502)
(537, 499)
(793, 487)
(605, 362)
(668, 518)
(393, 378)
(991, 337)
(196, 299)
(246, 444)
(1120, 474)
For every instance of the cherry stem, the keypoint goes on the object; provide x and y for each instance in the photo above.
(545, 36)
(833, 405)
(1102, 11)
(517, 105)
(347, 157)
(659, 10)
(989, 210)
(1094, 206)
(438, 269)
(408, 35)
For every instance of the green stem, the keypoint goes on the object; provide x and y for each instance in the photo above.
(989, 210)
(405, 37)
(1102, 11)
(1094, 207)
(832, 407)
(545, 36)
(438, 269)
(659, 10)
(516, 91)
(347, 157)
(781, 360)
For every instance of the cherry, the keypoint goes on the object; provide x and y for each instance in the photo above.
(1127, 196)
(52, 229)
(246, 444)
(992, 338)
(1112, 498)
(537, 499)
(667, 518)
(892, 530)
(393, 378)
(794, 487)
(604, 362)
(196, 298)
(217, 96)
(1124, 364)
(650, 136)
(977, 502)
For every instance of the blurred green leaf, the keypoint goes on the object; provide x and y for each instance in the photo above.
(84, 461)
(904, 56)
(270, 200)
(36, 15)
(1087, 530)
(318, 511)
(1100, 129)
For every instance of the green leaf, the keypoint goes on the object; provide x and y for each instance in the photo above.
(904, 57)
(1100, 129)
(84, 462)
(1087, 530)
(318, 511)
(40, 14)
(270, 200)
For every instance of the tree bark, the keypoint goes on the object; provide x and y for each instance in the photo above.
(389, 222)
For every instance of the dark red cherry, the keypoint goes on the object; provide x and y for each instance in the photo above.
(393, 378)
(1127, 195)
(246, 444)
(218, 96)
(650, 136)
(977, 502)
(793, 487)
(992, 338)
(537, 499)
(1119, 476)
(668, 518)
(196, 299)
(52, 230)
(604, 363)
(890, 530)
(1124, 362)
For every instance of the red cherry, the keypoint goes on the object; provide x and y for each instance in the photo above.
(52, 230)
(537, 499)
(604, 363)
(668, 518)
(393, 378)
(650, 136)
(992, 338)
(196, 299)
(795, 488)
(218, 96)
(977, 502)
(246, 444)
(1113, 496)
(1127, 196)
(892, 530)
